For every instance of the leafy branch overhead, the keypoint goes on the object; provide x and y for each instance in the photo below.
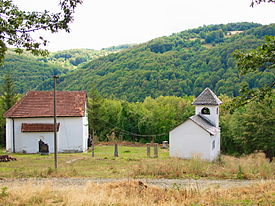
(257, 61)
(253, 2)
(260, 59)
(17, 26)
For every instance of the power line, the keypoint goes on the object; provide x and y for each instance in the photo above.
(28, 77)
(135, 134)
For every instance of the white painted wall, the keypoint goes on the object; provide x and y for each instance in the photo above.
(216, 151)
(72, 135)
(189, 139)
(9, 126)
(214, 113)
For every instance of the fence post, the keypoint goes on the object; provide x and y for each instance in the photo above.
(116, 150)
(148, 149)
(93, 149)
(155, 150)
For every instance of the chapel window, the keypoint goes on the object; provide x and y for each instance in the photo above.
(205, 110)
(213, 145)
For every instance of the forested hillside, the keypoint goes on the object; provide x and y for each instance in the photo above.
(72, 58)
(27, 72)
(181, 64)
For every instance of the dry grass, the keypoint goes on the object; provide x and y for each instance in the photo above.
(254, 166)
(136, 193)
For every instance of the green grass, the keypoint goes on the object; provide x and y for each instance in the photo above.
(133, 162)
(103, 165)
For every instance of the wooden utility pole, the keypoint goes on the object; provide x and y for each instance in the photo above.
(54, 117)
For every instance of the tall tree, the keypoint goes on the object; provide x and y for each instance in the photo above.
(95, 102)
(252, 127)
(17, 26)
(8, 98)
(8, 94)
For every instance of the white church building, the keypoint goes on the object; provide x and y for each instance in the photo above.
(199, 135)
(29, 123)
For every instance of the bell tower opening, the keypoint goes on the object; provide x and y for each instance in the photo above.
(205, 110)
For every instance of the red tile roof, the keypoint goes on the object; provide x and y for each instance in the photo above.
(40, 104)
(39, 127)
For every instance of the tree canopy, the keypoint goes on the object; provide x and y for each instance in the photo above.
(258, 62)
(253, 2)
(17, 26)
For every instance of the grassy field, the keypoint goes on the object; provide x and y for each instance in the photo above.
(136, 193)
(133, 162)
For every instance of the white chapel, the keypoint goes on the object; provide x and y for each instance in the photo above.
(199, 135)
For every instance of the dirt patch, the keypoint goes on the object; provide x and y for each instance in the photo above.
(73, 160)
(164, 183)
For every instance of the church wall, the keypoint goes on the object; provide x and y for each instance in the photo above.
(189, 140)
(72, 135)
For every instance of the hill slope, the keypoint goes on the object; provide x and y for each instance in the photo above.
(27, 72)
(72, 58)
(181, 64)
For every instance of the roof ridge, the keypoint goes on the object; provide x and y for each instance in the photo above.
(207, 97)
(40, 104)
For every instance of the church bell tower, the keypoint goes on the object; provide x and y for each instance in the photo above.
(207, 106)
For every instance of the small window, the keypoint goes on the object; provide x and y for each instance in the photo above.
(213, 145)
(217, 110)
(205, 110)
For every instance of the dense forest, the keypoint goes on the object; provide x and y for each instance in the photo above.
(28, 71)
(73, 58)
(245, 130)
(181, 64)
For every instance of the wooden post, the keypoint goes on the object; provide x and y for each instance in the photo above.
(93, 144)
(116, 150)
(148, 149)
(93, 149)
(155, 150)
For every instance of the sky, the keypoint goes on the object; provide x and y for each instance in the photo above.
(104, 23)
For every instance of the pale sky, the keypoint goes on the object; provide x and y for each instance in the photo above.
(104, 23)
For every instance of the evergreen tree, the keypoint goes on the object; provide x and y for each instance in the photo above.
(7, 99)
(95, 102)
(8, 94)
